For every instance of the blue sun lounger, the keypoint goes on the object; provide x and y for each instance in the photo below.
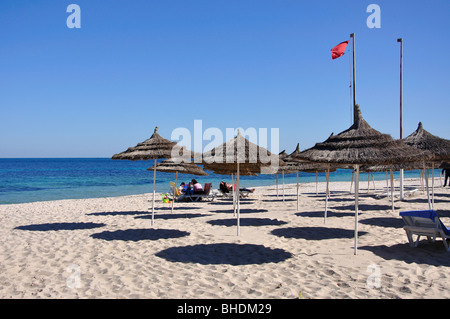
(424, 223)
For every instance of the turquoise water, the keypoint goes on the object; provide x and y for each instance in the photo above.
(30, 180)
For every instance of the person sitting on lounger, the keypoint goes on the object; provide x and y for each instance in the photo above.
(226, 188)
(183, 188)
(195, 187)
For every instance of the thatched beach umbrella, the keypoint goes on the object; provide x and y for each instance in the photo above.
(424, 140)
(236, 154)
(156, 147)
(172, 166)
(361, 144)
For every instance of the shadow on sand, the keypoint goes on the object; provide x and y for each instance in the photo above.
(321, 214)
(247, 222)
(60, 226)
(140, 234)
(315, 233)
(389, 222)
(427, 253)
(241, 211)
(172, 216)
(224, 253)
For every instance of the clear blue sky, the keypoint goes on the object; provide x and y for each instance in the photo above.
(134, 65)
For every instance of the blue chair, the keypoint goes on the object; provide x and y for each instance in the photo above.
(424, 223)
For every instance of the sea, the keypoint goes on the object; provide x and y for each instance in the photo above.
(25, 180)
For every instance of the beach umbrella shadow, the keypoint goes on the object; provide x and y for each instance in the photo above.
(242, 211)
(314, 233)
(320, 214)
(173, 216)
(224, 253)
(433, 254)
(60, 226)
(126, 213)
(389, 222)
(247, 222)
(140, 234)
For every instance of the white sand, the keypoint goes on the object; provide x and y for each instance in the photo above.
(107, 248)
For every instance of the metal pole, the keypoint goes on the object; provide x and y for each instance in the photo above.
(297, 190)
(326, 198)
(426, 183)
(356, 207)
(401, 111)
(392, 191)
(153, 201)
(174, 191)
(354, 79)
(237, 194)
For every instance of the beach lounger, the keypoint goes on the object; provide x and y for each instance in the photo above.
(424, 223)
(206, 194)
(177, 192)
(243, 193)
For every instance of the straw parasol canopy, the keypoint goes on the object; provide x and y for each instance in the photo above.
(361, 144)
(293, 162)
(171, 166)
(239, 152)
(426, 141)
(156, 147)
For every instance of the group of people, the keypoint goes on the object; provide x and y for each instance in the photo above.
(193, 187)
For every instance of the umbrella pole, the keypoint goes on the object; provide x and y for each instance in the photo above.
(234, 195)
(238, 210)
(283, 184)
(356, 208)
(297, 190)
(174, 191)
(392, 190)
(373, 181)
(421, 180)
(368, 182)
(387, 185)
(277, 186)
(426, 184)
(153, 201)
(432, 184)
(326, 198)
(317, 181)
(351, 183)
(440, 177)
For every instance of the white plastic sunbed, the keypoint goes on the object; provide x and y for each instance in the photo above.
(424, 223)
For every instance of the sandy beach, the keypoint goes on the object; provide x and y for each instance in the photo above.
(107, 248)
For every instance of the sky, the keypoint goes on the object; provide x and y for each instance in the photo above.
(132, 65)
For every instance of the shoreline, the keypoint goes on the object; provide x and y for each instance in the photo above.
(106, 248)
(363, 187)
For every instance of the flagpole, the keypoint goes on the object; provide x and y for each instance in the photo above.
(354, 79)
(401, 109)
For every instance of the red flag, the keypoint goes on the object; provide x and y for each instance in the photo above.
(338, 50)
